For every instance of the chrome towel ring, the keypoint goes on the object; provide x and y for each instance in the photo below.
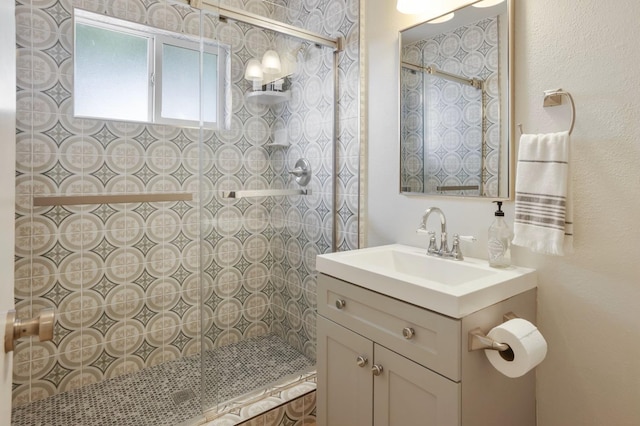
(554, 98)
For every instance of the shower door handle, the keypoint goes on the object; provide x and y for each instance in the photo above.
(41, 326)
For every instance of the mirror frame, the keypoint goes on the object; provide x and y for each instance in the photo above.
(509, 163)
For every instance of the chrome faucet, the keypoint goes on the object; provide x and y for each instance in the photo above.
(442, 251)
(433, 249)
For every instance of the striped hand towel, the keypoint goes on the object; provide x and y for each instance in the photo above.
(544, 215)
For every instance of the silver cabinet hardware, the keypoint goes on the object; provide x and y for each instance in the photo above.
(41, 326)
(376, 369)
(361, 361)
(408, 332)
(340, 304)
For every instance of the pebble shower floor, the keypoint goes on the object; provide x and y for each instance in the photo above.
(167, 394)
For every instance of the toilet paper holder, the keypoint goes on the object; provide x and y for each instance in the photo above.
(478, 339)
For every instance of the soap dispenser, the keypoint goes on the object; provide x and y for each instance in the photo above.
(499, 239)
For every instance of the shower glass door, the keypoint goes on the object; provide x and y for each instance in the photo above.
(258, 251)
(108, 209)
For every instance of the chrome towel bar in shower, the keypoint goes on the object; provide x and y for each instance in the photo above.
(76, 200)
(247, 193)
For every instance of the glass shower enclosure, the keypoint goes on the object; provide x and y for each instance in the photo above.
(162, 208)
(264, 219)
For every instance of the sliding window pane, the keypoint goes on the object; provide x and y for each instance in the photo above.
(181, 84)
(111, 74)
(210, 86)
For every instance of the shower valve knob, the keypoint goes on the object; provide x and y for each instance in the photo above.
(302, 172)
(298, 171)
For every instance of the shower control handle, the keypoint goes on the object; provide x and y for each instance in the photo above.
(340, 304)
(298, 171)
(302, 172)
(361, 361)
(41, 326)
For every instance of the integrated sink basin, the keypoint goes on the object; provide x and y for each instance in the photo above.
(450, 287)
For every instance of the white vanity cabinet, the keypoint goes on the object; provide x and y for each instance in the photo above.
(385, 362)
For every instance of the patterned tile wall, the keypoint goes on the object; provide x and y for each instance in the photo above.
(298, 228)
(125, 278)
(451, 121)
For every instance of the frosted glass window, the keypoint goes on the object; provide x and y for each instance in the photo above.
(132, 72)
(111, 74)
(181, 84)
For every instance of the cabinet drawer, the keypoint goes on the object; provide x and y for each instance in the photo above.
(435, 342)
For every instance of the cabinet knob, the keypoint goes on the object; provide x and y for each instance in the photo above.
(340, 303)
(361, 361)
(376, 369)
(408, 333)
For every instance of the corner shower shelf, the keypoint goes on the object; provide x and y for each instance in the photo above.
(268, 97)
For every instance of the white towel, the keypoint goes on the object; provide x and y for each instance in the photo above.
(544, 212)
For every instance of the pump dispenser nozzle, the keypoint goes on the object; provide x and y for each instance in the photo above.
(499, 212)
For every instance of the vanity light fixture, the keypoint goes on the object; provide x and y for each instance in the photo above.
(444, 18)
(254, 73)
(271, 62)
(487, 3)
(411, 7)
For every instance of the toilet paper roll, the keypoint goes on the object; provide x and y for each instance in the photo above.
(528, 346)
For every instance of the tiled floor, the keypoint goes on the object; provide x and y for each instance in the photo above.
(148, 397)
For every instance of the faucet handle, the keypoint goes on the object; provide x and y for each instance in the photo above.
(433, 248)
(456, 253)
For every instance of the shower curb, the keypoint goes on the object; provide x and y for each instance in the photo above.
(254, 404)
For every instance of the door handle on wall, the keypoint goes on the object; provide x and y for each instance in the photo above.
(41, 326)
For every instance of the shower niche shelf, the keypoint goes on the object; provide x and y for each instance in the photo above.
(268, 97)
(280, 139)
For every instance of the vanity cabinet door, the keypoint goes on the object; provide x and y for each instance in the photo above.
(345, 382)
(406, 393)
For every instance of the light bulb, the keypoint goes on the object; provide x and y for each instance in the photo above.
(254, 73)
(271, 62)
(411, 7)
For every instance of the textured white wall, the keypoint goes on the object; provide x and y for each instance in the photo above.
(589, 302)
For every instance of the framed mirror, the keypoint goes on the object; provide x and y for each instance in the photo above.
(456, 102)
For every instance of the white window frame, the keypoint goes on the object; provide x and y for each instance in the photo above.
(157, 38)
